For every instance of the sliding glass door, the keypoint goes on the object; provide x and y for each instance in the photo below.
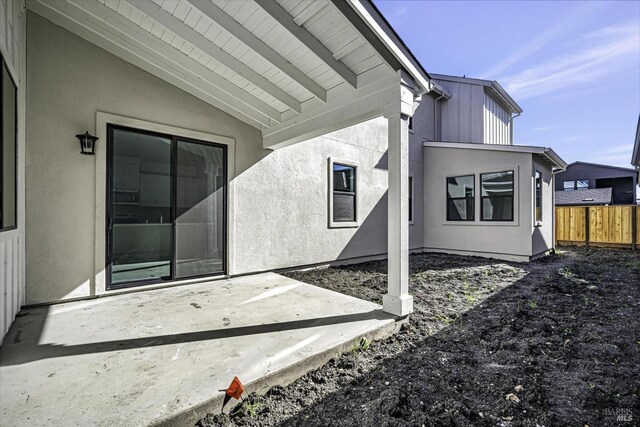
(166, 208)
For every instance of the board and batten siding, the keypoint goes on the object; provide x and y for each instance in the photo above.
(497, 123)
(462, 119)
(12, 47)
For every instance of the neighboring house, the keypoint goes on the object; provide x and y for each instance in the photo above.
(580, 176)
(241, 137)
(586, 197)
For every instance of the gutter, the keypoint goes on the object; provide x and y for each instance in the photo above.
(551, 155)
(503, 93)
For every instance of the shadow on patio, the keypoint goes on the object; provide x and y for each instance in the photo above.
(164, 355)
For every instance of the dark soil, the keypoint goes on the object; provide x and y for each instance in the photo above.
(555, 342)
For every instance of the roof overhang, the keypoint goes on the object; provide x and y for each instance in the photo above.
(289, 69)
(390, 40)
(491, 86)
(545, 152)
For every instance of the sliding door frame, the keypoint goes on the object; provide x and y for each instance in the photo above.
(173, 177)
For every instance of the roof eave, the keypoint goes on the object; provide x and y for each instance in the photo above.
(372, 17)
(505, 97)
(492, 85)
(554, 158)
(546, 152)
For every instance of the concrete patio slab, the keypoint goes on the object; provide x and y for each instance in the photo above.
(161, 356)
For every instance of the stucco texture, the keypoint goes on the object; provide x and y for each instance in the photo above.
(518, 240)
(70, 80)
(279, 203)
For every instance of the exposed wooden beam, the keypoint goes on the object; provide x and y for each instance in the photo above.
(95, 31)
(218, 86)
(313, 44)
(170, 22)
(346, 109)
(238, 31)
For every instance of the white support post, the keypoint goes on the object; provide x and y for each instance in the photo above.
(397, 301)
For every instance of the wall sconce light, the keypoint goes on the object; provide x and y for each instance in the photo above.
(87, 143)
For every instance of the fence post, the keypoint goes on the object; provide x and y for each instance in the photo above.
(634, 227)
(586, 226)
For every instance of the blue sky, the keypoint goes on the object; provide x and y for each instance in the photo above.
(574, 67)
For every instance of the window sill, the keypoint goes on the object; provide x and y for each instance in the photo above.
(483, 223)
(350, 224)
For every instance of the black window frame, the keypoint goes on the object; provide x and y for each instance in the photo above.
(513, 197)
(411, 201)
(473, 199)
(4, 66)
(353, 193)
(581, 188)
(573, 185)
(537, 188)
(172, 277)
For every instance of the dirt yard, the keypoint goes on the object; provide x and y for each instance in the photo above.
(554, 342)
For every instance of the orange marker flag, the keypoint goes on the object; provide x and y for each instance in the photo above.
(235, 389)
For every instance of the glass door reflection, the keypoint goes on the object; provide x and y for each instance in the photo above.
(141, 206)
(200, 179)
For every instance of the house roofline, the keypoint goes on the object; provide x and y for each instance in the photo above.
(371, 16)
(545, 152)
(492, 85)
(602, 166)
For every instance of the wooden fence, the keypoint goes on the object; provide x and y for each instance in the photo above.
(609, 226)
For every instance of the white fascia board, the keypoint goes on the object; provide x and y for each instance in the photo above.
(394, 46)
(546, 152)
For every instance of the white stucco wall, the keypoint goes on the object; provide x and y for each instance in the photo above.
(508, 240)
(281, 203)
(70, 80)
(279, 208)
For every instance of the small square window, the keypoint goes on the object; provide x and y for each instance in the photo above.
(569, 185)
(582, 184)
